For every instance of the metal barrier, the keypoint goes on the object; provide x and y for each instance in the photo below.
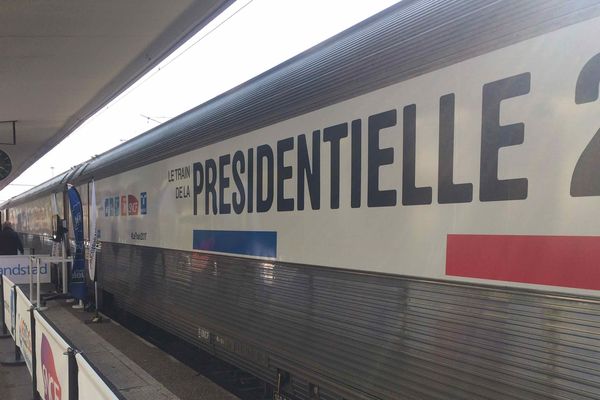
(56, 366)
(9, 307)
(37, 260)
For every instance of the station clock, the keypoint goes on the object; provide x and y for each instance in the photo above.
(5, 165)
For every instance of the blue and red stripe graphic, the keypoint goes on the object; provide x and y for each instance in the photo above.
(249, 243)
(567, 261)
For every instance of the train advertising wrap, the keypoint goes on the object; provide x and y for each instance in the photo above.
(52, 367)
(483, 171)
(23, 328)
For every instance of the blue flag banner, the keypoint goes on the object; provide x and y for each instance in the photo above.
(77, 286)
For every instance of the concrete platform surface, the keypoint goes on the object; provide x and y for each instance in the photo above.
(138, 369)
(15, 381)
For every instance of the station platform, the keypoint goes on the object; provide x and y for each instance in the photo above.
(139, 370)
(15, 382)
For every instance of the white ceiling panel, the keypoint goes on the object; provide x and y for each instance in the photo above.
(62, 60)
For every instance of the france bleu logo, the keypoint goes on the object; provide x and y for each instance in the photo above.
(144, 203)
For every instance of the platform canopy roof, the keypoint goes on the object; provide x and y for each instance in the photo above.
(63, 60)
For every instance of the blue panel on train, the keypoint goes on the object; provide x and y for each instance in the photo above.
(249, 243)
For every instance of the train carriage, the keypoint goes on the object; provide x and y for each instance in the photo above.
(405, 211)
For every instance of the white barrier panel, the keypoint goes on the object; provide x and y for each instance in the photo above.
(17, 269)
(9, 304)
(23, 328)
(91, 385)
(52, 362)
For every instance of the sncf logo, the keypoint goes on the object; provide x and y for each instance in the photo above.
(132, 205)
(52, 390)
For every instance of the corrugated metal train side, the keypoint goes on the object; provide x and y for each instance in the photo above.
(354, 334)
(361, 335)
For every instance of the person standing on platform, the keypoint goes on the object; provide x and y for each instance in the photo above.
(10, 243)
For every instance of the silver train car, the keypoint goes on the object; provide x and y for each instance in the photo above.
(405, 211)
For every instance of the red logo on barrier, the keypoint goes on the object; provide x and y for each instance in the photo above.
(25, 339)
(133, 205)
(52, 389)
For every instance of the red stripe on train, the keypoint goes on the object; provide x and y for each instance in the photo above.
(568, 261)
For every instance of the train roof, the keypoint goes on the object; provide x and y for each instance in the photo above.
(406, 40)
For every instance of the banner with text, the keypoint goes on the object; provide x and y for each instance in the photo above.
(93, 233)
(23, 328)
(8, 289)
(17, 268)
(52, 364)
(77, 287)
(90, 384)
